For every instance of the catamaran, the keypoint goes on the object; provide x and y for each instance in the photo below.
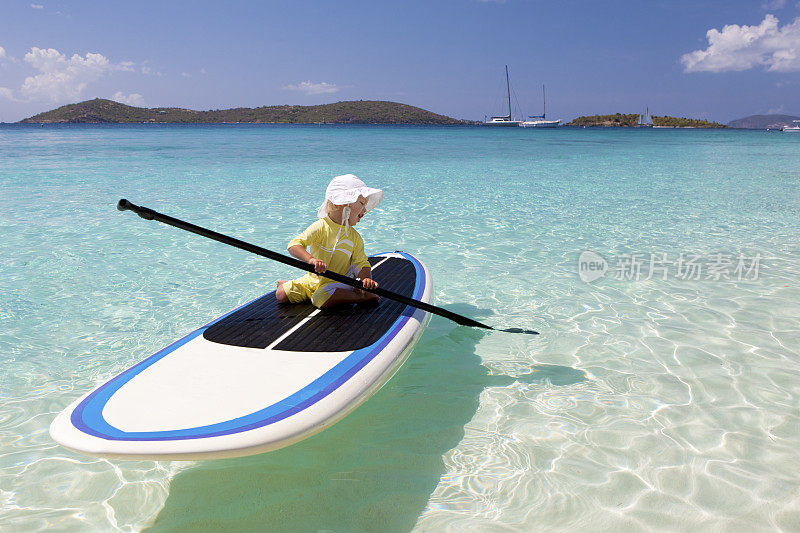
(505, 120)
(539, 121)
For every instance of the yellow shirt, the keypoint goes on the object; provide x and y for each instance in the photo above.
(321, 237)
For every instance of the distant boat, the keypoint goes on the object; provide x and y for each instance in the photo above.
(645, 121)
(505, 120)
(792, 129)
(539, 121)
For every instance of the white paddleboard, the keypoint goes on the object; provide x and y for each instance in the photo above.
(262, 377)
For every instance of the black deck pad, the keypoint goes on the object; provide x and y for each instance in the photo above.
(261, 322)
(258, 323)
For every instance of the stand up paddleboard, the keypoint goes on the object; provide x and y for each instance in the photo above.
(262, 377)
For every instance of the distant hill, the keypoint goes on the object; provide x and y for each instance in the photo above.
(356, 112)
(763, 122)
(632, 119)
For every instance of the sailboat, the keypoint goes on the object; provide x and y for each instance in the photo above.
(539, 121)
(792, 129)
(645, 121)
(504, 120)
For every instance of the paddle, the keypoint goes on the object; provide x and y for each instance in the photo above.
(149, 214)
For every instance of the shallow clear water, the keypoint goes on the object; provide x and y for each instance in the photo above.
(653, 403)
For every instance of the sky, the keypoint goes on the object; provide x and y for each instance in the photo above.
(716, 60)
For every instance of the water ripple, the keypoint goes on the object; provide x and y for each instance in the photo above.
(644, 405)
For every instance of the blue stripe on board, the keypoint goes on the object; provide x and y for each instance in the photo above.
(88, 416)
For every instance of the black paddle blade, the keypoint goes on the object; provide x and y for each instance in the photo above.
(519, 330)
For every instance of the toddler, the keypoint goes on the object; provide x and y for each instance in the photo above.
(335, 246)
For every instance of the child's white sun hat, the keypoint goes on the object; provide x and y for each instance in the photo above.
(345, 189)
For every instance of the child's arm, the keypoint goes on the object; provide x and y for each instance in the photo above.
(366, 278)
(297, 247)
(302, 254)
(360, 259)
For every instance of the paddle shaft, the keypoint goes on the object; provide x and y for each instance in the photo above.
(149, 214)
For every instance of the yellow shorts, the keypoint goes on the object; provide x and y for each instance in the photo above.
(305, 288)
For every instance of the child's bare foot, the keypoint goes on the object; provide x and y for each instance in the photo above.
(280, 294)
(367, 298)
(346, 296)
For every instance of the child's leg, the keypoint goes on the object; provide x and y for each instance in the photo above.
(338, 294)
(344, 296)
(293, 292)
(280, 294)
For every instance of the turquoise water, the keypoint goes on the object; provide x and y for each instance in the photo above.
(654, 403)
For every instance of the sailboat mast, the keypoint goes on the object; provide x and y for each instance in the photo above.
(508, 89)
(544, 103)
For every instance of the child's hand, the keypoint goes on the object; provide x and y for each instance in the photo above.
(318, 264)
(369, 283)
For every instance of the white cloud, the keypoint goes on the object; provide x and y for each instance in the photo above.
(63, 78)
(768, 45)
(37, 6)
(7, 93)
(2, 52)
(776, 110)
(314, 88)
(773, 4)
(134, 99)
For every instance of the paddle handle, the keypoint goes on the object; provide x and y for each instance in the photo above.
(149, 214)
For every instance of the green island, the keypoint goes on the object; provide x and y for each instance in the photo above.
(615, 120)
(680, 122)
(631, 120)
(101, 111)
